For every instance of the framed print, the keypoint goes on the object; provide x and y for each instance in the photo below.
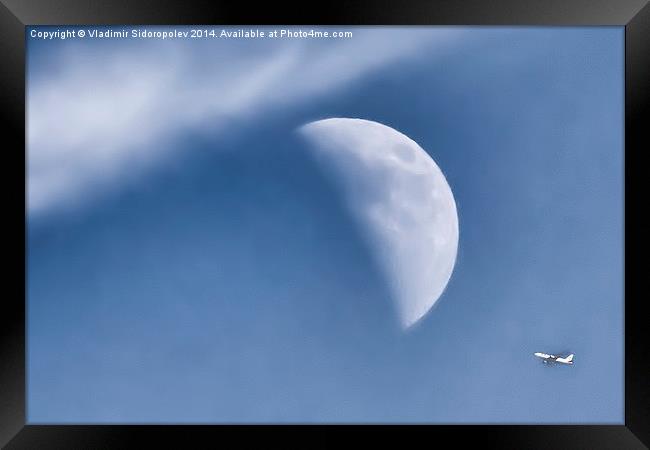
(369, 215)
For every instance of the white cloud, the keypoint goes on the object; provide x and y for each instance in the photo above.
(104, 112)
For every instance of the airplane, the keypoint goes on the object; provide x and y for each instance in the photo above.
(550, 359)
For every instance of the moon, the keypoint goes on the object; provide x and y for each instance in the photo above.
(400, 199)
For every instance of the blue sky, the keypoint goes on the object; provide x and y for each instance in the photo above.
(189, 262)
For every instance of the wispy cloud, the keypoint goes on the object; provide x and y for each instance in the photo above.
(105, 110)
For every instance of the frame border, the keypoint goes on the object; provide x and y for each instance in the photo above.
(15, 15)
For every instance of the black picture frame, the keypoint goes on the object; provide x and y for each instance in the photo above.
(15, 15)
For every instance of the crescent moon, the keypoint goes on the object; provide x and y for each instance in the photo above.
(402, 201)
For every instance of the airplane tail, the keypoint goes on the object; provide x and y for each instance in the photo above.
(569, 358)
